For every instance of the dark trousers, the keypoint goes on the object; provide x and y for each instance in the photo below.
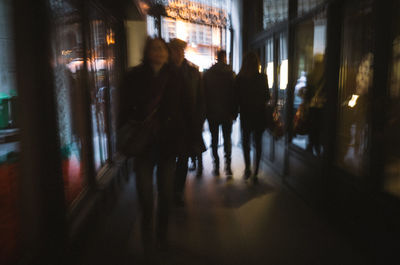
(144, 167)
(226, 132)
(256, 134)
(181, 174)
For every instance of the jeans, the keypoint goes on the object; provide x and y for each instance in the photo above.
(257, 136)
(144, 167)
(226, 132)
(181, 174)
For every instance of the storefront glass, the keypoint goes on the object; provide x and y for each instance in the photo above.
(356, 74)
(392, 130)
(309, 70)
(269, 65)
(9, 140)
(283, 69)
(67, 65)
(274, 11)
(103, 80)
(304, 6)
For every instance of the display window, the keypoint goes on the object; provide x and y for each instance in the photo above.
(309, 96)
(67, 67)
(282, 70)
(103, 79)
(304, 6)
(355, 82)
(9, 141)
(274, 11)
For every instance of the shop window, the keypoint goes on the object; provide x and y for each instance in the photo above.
(282, 72)
(274, 11)
(304, 6)
(67, 71)
(309, 71)
(355, 81)
(99, 89)
(9, 144)
(392, 130)
(269, 64)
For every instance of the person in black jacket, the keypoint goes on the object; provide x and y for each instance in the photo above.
(154, 83)
(221, 109)
(252, 96)
(194, 97)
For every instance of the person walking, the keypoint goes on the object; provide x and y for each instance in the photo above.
(154, 83)
(194, 96)
(252, 96)
(221, 109)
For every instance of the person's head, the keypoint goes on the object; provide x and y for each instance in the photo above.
(221, 56)
(177, 48)
(250, 64)
(155, 52)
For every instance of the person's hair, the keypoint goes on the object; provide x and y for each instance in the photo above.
(147, 46)
(221, 55)
(250, 65)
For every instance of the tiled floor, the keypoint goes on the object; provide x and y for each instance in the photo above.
(227, 222)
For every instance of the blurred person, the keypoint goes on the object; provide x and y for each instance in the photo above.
(252, 96)
(221, 109)
(152, 83)
(194, 96)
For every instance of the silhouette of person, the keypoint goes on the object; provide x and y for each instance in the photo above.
(221, 109)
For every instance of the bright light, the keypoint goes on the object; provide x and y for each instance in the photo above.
(353, 101)
(181, 30)
(270, 74)
(216, 36)
(284, 75)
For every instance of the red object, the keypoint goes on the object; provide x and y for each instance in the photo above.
(8, 213)
(72, 178)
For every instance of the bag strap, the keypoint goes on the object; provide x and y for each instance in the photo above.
(157, 100)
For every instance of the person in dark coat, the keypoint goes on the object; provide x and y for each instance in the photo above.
(252, 96)
(194, 96)
(142, 86)
(221, 109)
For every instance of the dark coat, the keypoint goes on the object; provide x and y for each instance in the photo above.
(219, 93)
(252, 96)
(194, 98)
(138, 91)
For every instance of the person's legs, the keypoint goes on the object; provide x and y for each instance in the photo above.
(199, 165)
(144, 185)
(214, 129)
(258, 142)
(180, 178)
(165, 184)
(246, 150)
(227, 134)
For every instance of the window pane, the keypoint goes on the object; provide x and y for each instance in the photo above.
(355, 81)
(9, 144)
(304, 6)
(68, 61)
(269, 64)
(282, 71)
(99, 89)
(392, 130)
(274, 11)
(310, 43)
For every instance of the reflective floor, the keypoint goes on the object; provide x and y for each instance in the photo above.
(225, 222)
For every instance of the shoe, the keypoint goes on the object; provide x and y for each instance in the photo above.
(199, 172)
(228, 171)
(255, 179)
(247, 174)
(215, 172)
